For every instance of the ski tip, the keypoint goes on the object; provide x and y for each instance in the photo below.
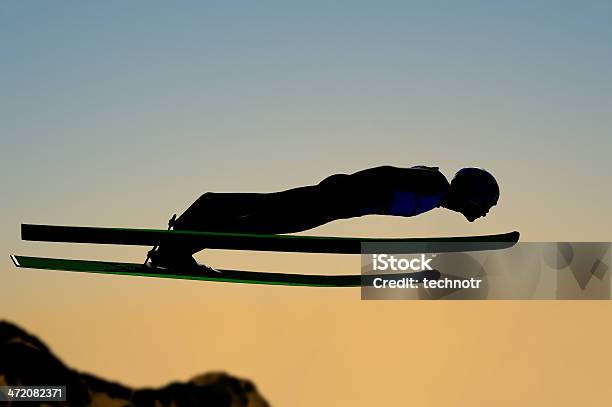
(15, 261)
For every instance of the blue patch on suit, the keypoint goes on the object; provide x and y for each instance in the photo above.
(409, 204)
(404, 203)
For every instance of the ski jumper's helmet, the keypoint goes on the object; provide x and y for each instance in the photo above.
(476, 185)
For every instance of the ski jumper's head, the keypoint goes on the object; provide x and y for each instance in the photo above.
(473, 191)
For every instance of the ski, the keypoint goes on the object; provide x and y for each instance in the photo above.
(206, 274)
(258, 242)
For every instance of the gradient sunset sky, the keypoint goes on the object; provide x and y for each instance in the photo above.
(120, 114)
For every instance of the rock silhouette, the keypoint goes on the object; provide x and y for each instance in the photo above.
(25, 360)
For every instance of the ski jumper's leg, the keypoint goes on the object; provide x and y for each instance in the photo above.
(216, 211)
(289, 211)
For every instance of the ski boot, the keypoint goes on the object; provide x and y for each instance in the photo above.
(172, 258)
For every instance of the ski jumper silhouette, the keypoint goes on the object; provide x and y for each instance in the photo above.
(384, 190)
